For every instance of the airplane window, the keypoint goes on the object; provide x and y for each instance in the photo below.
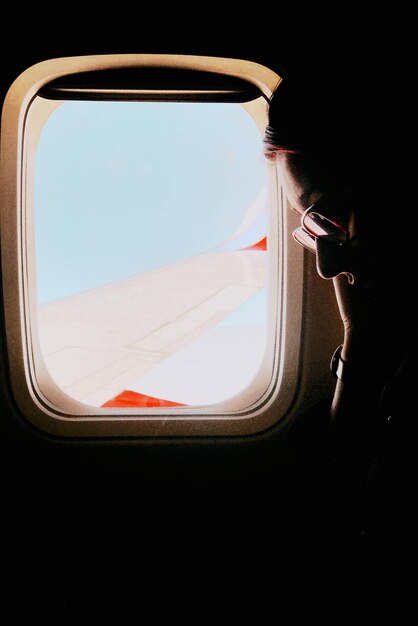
(151, 243)
(151, 284)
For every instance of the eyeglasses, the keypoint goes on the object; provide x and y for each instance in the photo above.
(314, 225)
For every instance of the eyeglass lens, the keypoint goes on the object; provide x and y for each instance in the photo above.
(320, 226)
(305, 239)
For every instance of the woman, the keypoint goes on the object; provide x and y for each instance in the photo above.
(334, 136)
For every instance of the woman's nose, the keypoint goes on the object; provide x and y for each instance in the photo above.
(333, 259)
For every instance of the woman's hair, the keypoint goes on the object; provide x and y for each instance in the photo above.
(318, 115)
(350, 110)
(331, 111)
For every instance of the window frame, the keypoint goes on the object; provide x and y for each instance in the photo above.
(54, 414)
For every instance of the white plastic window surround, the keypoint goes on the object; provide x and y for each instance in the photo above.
(51, 410)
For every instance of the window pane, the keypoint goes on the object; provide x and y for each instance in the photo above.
(151, 251)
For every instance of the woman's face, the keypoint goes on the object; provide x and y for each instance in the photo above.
(363, 258)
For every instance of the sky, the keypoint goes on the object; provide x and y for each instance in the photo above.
(125, 187)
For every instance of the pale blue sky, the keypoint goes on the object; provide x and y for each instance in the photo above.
(124, 187)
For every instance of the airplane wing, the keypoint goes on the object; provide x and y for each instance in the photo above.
(142, 341)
